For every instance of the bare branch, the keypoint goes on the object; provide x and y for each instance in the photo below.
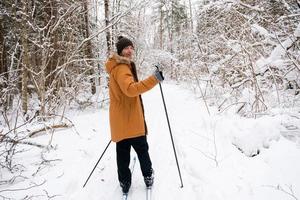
(22, 189)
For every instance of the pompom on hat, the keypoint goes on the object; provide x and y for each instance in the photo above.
(123, 43)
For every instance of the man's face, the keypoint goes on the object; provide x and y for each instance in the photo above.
(128, 52)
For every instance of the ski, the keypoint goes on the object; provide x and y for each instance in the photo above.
(125, 195)
(148, 193)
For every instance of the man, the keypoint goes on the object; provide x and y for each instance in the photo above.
(127, 121)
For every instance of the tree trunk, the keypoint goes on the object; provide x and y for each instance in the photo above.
(25, 58)
(89, 49)
(41, 90)
(52, 11)
(114, 30)
(3, 62)
(108, 37)
(172, 29)
(191, 17)
(114, 27)
(161, 26)
(25, 65)
(3, 59)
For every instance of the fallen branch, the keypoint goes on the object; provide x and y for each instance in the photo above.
(7, 139)
(256, 8)
(49, 127)
(21, 189)
(14, 129)
(244, 103)
(51, 196)
(288, 16)
(12, 180)
(25, 142)
(280, 188)
(44, 163)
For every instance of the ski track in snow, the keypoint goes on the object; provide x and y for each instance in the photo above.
(212, 167)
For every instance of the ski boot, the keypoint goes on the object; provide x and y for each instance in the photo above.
(149, 179)
(125, 186)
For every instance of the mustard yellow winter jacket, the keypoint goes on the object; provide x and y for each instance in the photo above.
(125, 110)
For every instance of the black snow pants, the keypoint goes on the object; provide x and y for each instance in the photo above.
(140, 145)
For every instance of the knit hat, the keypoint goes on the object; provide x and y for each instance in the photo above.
(122, 44)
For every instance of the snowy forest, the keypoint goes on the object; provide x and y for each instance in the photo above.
(232, 84)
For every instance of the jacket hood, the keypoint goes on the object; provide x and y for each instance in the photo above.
(114, 60)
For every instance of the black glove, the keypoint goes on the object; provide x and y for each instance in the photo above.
(159, 75)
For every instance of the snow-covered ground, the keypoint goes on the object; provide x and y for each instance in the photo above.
(221, 156)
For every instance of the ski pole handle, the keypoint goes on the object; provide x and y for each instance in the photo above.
(157, 66)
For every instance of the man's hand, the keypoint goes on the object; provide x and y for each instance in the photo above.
(159, 75)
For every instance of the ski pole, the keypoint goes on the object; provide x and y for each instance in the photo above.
(97, 163)
(162, 96)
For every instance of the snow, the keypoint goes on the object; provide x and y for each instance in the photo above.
(276, 57)
(260, 30)
(234, 45)
(297, 31)
(214, 152)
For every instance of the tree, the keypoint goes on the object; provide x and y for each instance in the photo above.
(89, 48)
(25, 57)
(3, 61)
(235, 44)
(108, 35)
